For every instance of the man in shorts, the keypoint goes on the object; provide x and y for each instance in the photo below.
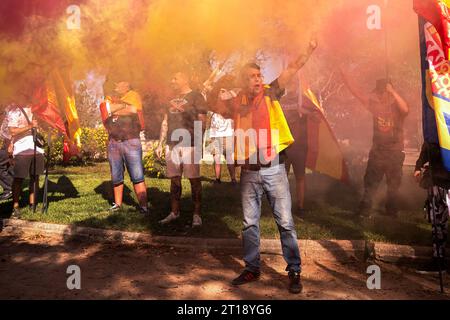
(221, 133)
(20, 123)
(125, 149)
(182, 127)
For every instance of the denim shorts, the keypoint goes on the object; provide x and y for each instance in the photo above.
(126, 153)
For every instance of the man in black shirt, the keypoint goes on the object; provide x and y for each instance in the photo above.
(125, 149)
(183, 128)
(386, 157)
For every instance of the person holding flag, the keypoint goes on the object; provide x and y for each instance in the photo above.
(386, 156)
(21, 121)
(124, 146)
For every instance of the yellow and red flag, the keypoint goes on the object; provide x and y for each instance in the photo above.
(435, 43)
(324, 153)
(66, 103)
(265, 118)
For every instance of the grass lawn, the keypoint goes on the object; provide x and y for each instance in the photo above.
(82, 196)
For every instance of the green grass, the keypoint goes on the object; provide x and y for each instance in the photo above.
(82, 195)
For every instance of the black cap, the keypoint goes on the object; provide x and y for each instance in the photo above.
(381, 85)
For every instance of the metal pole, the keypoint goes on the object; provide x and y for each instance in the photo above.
(47, 164)
(34, 171)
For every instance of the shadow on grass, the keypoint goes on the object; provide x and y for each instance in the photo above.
(332, 205)
(105, 189)
(216, 215)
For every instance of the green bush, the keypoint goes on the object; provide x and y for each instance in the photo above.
(94, 142)
(154, 166)
(56, 149)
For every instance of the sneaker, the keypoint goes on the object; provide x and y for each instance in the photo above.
(6, 195)
(172, 216)
(217, 181)
(196, 221)
(115, 208)
(144, 211)
(295, 284)
(246, 277)
(15, 214)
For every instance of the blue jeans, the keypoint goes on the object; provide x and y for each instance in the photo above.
(274, 183)
(126, 153)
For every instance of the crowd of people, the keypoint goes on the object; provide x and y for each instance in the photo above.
(265, 158)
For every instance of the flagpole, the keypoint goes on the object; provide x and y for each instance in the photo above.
(386, 47)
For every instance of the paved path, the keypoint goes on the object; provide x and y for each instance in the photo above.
(35, 267)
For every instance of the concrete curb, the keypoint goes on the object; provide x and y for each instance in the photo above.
(323, 249)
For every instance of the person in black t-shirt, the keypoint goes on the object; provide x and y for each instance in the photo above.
(125, 150)
(386, 157)
(183, 126)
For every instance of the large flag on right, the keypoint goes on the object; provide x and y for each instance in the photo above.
(434, 25)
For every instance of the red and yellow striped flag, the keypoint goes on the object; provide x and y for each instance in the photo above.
(324, 153)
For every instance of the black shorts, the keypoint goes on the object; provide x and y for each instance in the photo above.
(23, 166)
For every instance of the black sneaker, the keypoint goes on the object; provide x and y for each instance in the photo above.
(115, 208)
(295, 284)
(144, 211)
(15, 214)
(246, 277)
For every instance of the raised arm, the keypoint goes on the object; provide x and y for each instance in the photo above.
(401, 103)
(295, 66)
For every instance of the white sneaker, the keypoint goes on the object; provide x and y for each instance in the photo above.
(172, 216)
(196, 221)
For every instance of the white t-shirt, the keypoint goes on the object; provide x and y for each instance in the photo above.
(220, 127)
(16, 119)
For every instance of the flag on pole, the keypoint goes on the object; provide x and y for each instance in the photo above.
(324, 153)
(45, 107)
(66, 103)
(434, 25)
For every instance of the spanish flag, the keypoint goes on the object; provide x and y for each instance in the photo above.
(66, 103)
(324, 153)
(54, 103)
(434, 29)
(265, 119)
(133, 98)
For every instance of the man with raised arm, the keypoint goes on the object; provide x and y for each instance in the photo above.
(386, 156)
(257, 109)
